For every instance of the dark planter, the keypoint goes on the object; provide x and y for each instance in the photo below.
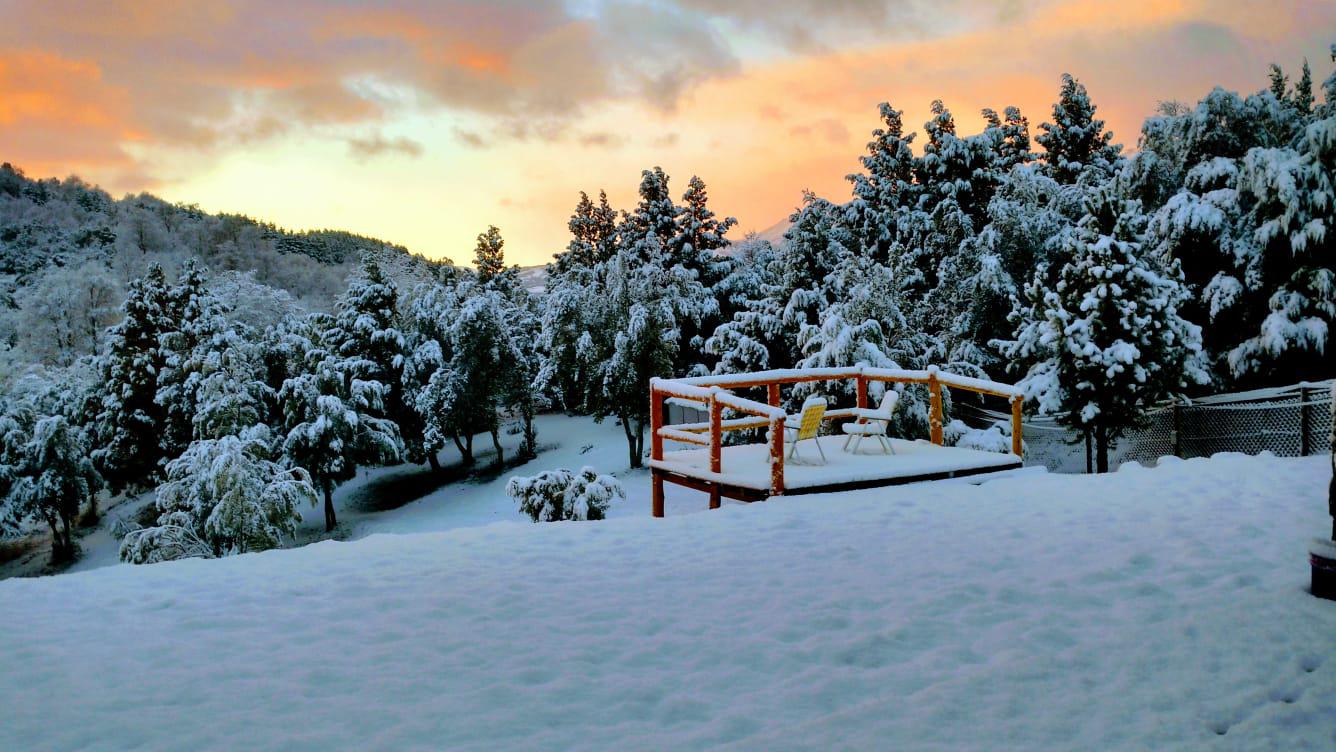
(1324, 576)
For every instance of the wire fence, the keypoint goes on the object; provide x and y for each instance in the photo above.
(1290, 421)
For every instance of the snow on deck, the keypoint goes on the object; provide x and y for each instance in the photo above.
(1144, 609)
(748, 465)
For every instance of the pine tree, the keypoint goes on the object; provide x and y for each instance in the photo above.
(887, 184)
(198, 321)
(130, 422)
(222, 496)
(1106, 341)
(332, 414)
(1280, 83)
(46, 475)
(1303, 91)
(651, 226)
(489, 255)
(1076, 142)
(593, 236)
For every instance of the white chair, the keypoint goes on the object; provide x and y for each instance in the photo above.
(805, 425)
(872, 423)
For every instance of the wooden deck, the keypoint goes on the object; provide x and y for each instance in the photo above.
(748, 474)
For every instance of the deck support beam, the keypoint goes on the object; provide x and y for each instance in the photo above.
(935, 407)
(1016, 445)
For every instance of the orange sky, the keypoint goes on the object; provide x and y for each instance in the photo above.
(422, 122)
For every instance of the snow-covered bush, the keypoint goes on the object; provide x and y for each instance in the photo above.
(560, 494)
(222, 496)
(45, 476)
(994, 438)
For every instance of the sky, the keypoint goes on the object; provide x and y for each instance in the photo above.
(422, 122)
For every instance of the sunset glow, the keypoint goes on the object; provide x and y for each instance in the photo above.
(422, 123)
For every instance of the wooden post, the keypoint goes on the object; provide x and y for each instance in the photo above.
(655, 423)
(716, 451)
(772, 394)
(935, 406)
(1017, 447)
(860, 390)
(655, 451)
(656, 494)
(777, 456)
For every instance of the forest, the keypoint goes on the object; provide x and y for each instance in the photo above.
(243, 371)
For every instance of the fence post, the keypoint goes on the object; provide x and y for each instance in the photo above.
(777, 456)
(716, 439)
(935, 406)
(1178, 428)
(1016, 445)
(655, 451)
(1305, 423)
(860, 391)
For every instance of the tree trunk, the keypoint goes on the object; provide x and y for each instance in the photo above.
(1101, 450)
(465, 450)
(1090, 458)
(330, 520)
(90, 517)
(434, 461)
(529, 449)
(631, 447)
(496, 442)
(55, 541)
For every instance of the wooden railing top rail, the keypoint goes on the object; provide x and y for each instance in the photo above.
(803, 375)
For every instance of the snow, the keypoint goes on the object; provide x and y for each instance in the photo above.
(748, 465)
(1159, 609)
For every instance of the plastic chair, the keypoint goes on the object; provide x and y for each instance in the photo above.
(806, 425)
(872, 423)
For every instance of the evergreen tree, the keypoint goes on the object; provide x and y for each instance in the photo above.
(886, 186)
(593, 236)
(560, 494)
(489, 255)
(651, 226)
(1106, 341)
(1076, 142)
(366, 327)
(222, 496)
(332, 413)
(130, 421)
(46, 475)
(1303, 91)
(1280, 83)
(197, 323)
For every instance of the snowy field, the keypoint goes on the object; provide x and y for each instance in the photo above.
(1148, 609)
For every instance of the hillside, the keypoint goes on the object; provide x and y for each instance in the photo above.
(1159, 608)
(68, 249)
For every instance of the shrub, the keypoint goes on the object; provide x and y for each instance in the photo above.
(564, 495)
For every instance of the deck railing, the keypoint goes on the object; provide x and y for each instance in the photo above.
(713, 394)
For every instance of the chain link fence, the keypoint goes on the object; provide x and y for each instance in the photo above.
(1290, 421)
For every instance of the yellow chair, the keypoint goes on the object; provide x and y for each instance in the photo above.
(805, 425)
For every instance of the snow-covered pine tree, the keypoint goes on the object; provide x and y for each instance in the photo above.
(886, 186)
(522, 391)
(635, 313)
(467, 394)
(489, 256)
(593, 236)
(700, 236)
(1076, 142)
(750, 339)
(431, 309)
(366, 326)
(333, 418)
(1303, 91)
(560, 494)
(198, 319)
(130, 422)
(648, 230)
(564, 325)
(232, 395)
(45, 475)
(223, 496)
(1106, 340)
(1290, 261)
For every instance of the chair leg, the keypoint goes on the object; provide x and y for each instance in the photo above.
(886, 444)
(848, 438)
(819, 449)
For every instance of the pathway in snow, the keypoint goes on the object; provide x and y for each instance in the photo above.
(1160, 609)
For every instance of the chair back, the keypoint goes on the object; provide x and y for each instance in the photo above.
(889, 402)
(814, 409)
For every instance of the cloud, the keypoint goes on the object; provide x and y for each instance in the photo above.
(377, 145)
(471, 139)
(830, 129)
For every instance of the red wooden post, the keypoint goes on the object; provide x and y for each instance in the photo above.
(935, 406)
(777, 456)
(860, 390)
(655, 423)
(1016, 446)
(716, 450)
(656, 495)
(655, 451)
(772, 394)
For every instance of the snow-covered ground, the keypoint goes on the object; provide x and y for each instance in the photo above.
(1147, 609)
